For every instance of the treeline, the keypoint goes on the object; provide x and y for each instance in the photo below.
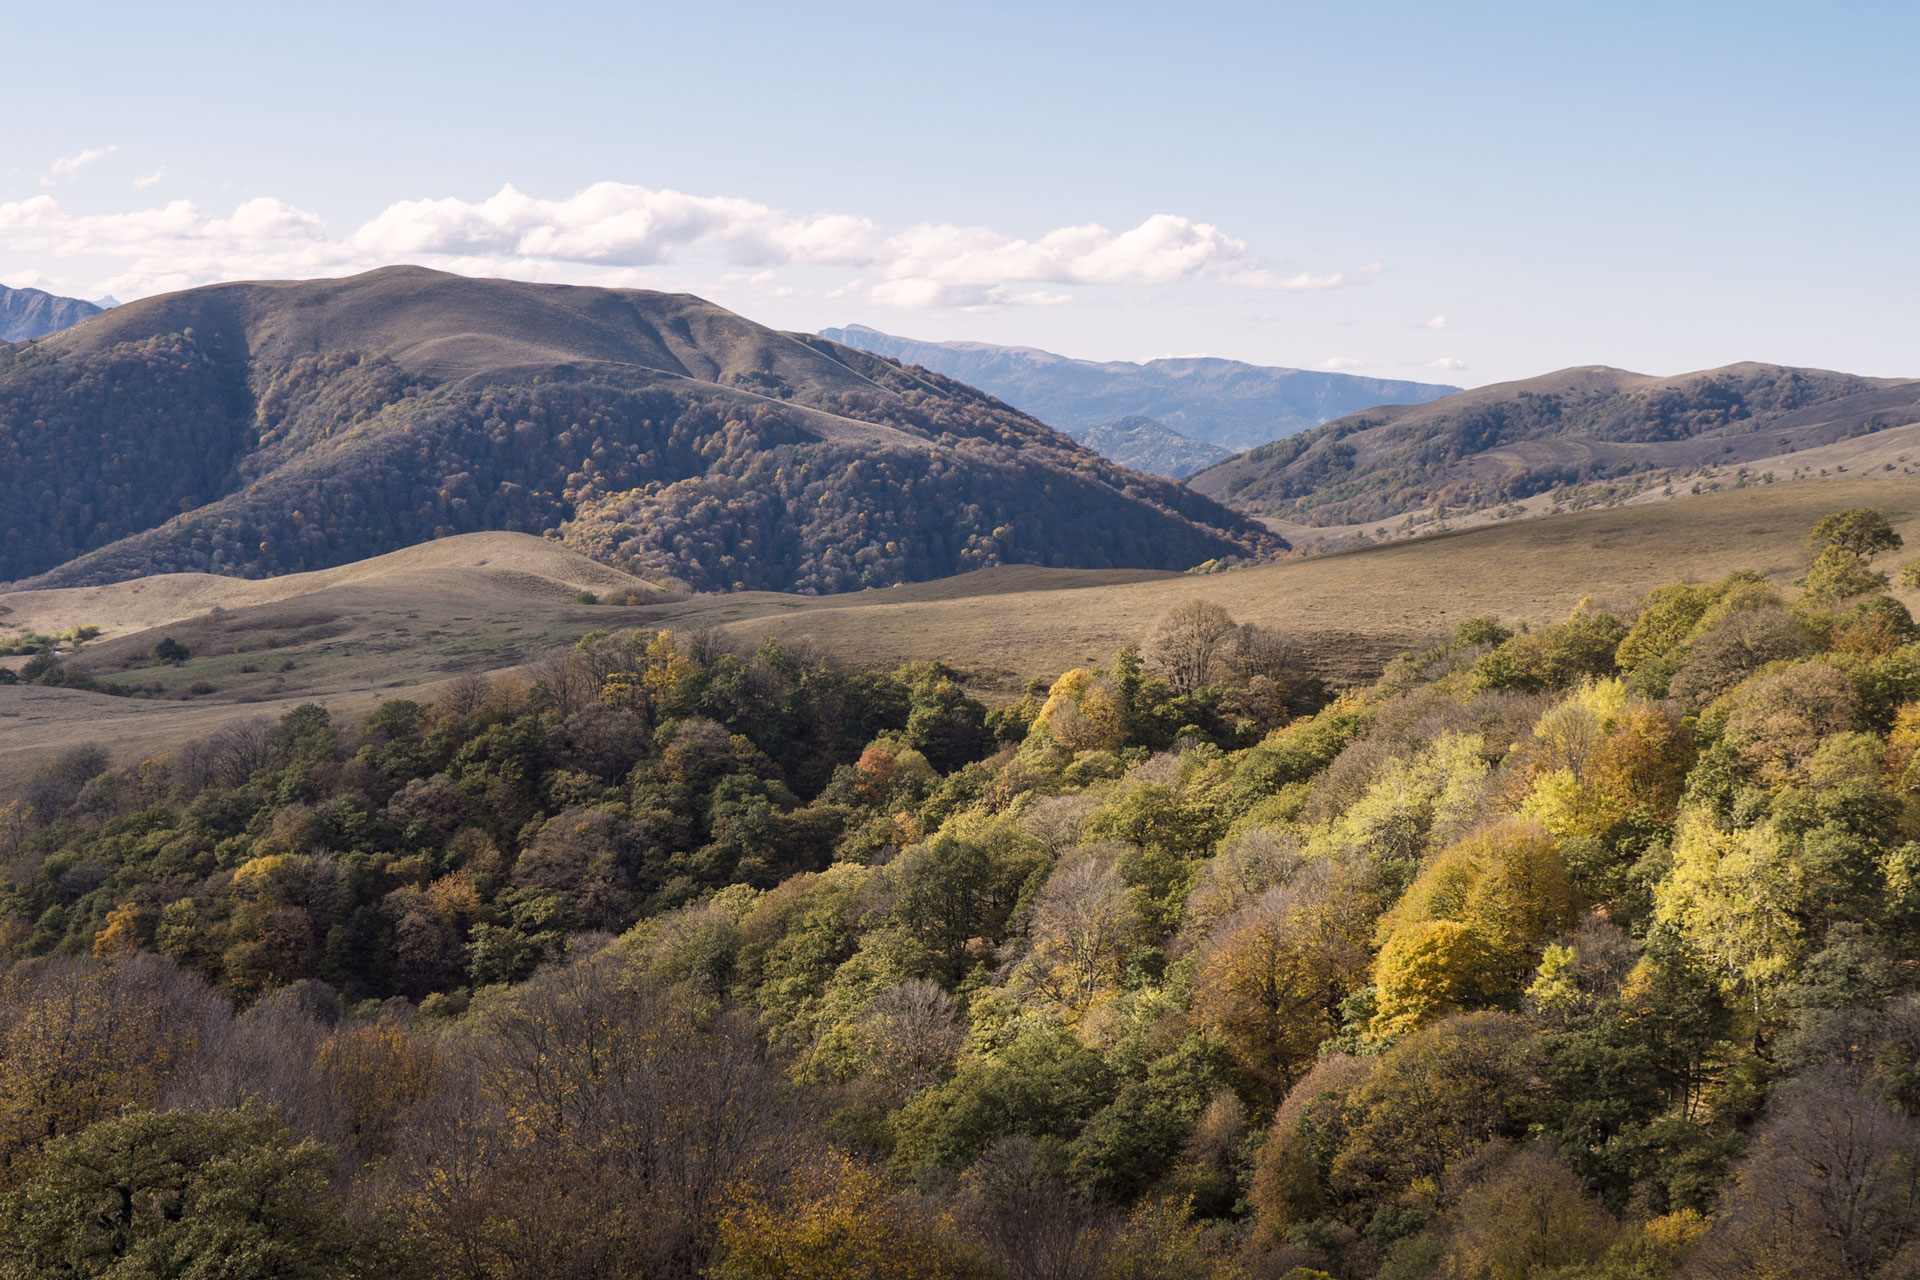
(1582, 952)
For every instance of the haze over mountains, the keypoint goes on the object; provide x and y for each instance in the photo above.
(1221, 402)
(26, 314)
(1502, 443)
(1149, 445)
(262, 428)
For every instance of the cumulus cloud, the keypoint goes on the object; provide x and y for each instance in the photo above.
(176, 245)
(941, 265)
(621, 234)
(613, 224)
(1436, 322)
(146, 180)
(1340, 363)
(1448, 363)
(68, 166)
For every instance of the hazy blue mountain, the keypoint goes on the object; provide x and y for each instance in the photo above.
(1221, 402)
(30, 313)
(1149, 445)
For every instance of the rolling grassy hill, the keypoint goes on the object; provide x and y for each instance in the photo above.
(400, 625)
(265, 428)
(1506, 443)
(1222, 402)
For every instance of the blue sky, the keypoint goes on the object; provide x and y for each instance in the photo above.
(1455, 193)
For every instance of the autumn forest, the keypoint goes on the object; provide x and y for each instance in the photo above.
(1583, 951)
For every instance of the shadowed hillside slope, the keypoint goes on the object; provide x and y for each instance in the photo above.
(1507, 442)
(263, 428)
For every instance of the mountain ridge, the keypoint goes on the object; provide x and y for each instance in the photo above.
(1510, 441)
(255, 428)
(26, 314)
(1211, 399)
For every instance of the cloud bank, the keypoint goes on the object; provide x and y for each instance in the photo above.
(618, 233)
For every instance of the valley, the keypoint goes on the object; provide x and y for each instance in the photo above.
(407, 623)
(1346, 707)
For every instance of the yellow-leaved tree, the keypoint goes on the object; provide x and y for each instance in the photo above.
(841, 1220)
(1470, 928)
(1735, 897)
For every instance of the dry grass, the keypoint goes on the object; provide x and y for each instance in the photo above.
(401, 624)
(144, 603)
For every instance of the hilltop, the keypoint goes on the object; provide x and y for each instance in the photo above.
(253, 429)
(1505, 443)
(1228, 403)
(26, 314)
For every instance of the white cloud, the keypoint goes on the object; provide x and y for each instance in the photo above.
(941, 265)
(1260, 278)
(1339, 363)
(146, 180)
(176, 245)
(613, 224)
(916, 292)
(1448, 363)
(67, 166)
(765, 283)
(620, 234)
(1436, 322)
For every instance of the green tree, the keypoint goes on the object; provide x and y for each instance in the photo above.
(1841, 574)
(171, 651)
(1862, 530)
(155, 1195)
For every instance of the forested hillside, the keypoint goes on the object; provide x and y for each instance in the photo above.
(1501, 443)
(262, 429)
(1587, 952)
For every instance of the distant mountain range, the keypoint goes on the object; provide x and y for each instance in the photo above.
(29, 313)
(1226, 403)
(261, 428)
(1506, 442)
